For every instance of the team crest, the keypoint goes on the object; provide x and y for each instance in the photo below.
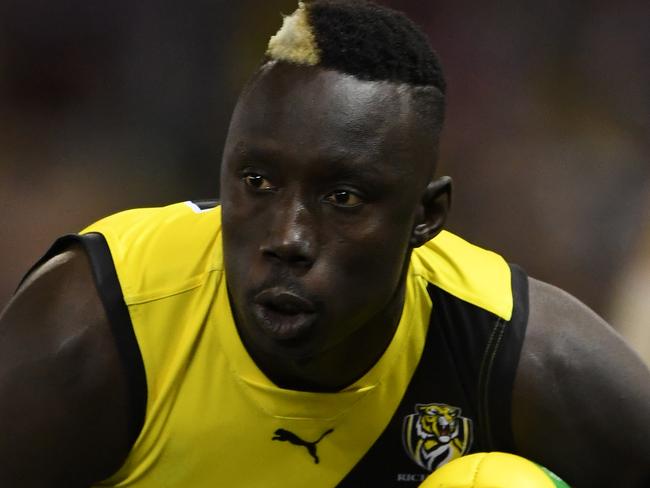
(435, 434)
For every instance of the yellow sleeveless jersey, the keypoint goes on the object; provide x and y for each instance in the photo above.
(206, 416)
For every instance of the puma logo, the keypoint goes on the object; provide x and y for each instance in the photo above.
(285, 435)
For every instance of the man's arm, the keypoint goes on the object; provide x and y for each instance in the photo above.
(581, 400)
(63, 394)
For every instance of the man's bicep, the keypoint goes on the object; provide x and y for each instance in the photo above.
(62, 392)
(581, 403)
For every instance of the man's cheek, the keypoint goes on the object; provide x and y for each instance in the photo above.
(374, 263)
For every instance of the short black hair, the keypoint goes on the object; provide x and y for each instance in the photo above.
(373, 42)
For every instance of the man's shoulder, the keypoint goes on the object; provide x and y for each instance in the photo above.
(474, 274)
(566, 338)
(61, 382)
(184, 220)
(580, 390)
(562, 327)
(164, 250)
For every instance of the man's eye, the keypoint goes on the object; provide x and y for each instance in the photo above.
(257, 182)
(343, 198)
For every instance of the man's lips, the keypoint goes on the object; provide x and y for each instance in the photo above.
(284, 301)
(283, 314)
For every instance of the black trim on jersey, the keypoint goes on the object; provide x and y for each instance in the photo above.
(499, 363)
(207, 203)
(110, 293)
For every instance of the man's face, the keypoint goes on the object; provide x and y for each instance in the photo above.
(321, 183)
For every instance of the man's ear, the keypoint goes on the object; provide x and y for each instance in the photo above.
(432, 214)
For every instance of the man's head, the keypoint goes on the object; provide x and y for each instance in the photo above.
(327, 184)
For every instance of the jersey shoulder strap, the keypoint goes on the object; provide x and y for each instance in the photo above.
(473, 274)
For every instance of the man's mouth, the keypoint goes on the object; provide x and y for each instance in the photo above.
(283, 314)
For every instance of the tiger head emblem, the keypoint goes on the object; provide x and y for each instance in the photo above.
(435, 434)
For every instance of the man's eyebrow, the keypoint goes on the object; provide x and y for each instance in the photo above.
(345, 168)
(243, 149)
(259, 151)
(338, 164)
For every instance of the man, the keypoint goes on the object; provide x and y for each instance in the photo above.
(319, 328)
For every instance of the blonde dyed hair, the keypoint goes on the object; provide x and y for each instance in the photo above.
(295, 42)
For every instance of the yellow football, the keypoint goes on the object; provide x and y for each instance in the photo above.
(492, 470)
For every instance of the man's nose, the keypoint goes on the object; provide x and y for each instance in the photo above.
(291, 237)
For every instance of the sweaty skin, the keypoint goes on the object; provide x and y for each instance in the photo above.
(291, 186)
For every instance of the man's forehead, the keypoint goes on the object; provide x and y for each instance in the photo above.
(280, 87)
(314, 103)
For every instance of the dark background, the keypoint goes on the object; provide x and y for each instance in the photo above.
(111, 105)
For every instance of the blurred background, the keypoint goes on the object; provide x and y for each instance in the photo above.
(111, 105)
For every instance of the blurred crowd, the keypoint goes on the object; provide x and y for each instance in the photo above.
(111, 105)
